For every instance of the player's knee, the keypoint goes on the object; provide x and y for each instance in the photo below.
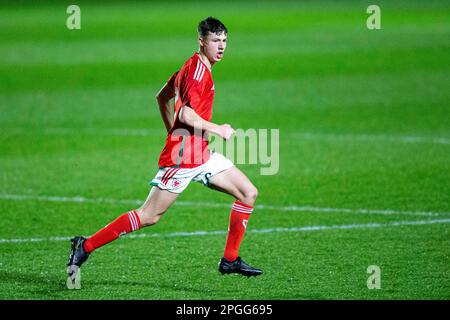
(250, 195)
(254, 194)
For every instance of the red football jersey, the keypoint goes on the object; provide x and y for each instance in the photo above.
(194, 87)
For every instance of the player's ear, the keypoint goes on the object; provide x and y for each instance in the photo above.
(200, 41)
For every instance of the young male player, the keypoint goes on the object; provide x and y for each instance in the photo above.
(186, 158)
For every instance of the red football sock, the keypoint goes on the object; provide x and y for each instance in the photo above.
(240, 213)
(124, 224)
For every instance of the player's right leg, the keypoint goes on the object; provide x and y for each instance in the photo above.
(235, 183)
(157, 203)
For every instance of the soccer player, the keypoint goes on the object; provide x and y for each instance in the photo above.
(186, 158)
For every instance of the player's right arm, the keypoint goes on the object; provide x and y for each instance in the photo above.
(163, 98)
(188, 116)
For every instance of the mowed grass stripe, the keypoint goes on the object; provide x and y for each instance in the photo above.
(155, 48)
(143, 132)
(122, 20)
(110, 74)
(307, 94)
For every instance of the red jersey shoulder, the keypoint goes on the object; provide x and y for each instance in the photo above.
(194, 72)
(199, 71)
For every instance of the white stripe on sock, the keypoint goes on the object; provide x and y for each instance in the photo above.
(241, 208)
(132, 221)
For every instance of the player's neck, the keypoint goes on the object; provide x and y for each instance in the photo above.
(205, 59)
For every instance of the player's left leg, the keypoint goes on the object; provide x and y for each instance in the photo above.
(157, 203)
(235, 183)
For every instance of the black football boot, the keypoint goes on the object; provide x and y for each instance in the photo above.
(238, 266)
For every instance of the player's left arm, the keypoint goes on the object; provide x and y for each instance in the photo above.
(163, 98)
(188, 116)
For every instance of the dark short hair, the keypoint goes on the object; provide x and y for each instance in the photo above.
(212, 25)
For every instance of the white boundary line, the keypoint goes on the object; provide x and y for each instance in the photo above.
(222, 232)
(77, 199)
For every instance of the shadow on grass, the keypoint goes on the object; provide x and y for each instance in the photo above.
(147, 288)
(25, 285)
(37, 286)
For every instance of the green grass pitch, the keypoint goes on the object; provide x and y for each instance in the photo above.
(364, 175)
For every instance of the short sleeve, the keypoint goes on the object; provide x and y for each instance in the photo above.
(171, 80)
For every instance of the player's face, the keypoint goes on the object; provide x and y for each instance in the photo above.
(214, 46)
